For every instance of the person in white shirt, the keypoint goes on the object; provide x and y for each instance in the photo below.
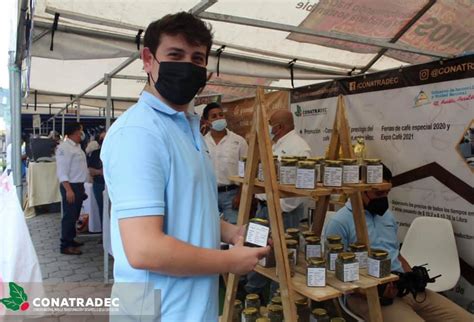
(285, 142)
(225, 148)
(72, 172)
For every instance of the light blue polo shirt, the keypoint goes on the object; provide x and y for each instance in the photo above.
(156, 163)
(382, 231)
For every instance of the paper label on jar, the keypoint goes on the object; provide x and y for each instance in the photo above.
(374, 173)
(351, 272)
(332, 176)
(318, 172)
(350, 174)
(313, 251)
(294, 254)
(260, 172)
(316, 276)
(263, 262)
(332, 261)
(287, 175)
(257, 234)
(241, 169)
(362, 258)
(373, 267)
(305, 178)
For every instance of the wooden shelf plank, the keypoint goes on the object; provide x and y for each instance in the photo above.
(383, 280)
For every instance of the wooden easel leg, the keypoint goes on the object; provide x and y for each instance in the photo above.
(375, 310)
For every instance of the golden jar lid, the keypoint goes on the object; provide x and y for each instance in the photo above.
(333, 163)
(301, 158)
(291, 242)
(313, 240)
(372, 161)
(301, 301)
(378, 253)
(252, 297)
(308, 233)
(334, 239)
(319, 312)
(316, 261)
(346, 256)
(276, 300)
(250, 311)
(348, 161)
(262, 319)
(288, 236)
(275, 308)
(358, 246)
(275, 156)
(292, 231)
(289, 161)
(243, 159)
(288, 157)
(336, 247)
(259, 221)
(315, 159)
(237, 302)
(306, 163)
(337, 319)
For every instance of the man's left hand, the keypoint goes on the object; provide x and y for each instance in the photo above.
(240, 233)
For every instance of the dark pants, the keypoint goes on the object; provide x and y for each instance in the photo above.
(99, 197)
(71, 212)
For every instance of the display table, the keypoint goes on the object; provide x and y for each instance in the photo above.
(42, 186)
(89, 206)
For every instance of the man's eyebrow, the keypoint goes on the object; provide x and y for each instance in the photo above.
(198, 53)
(175, 49)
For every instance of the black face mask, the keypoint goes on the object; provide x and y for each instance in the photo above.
(179, 82)
(377, 206)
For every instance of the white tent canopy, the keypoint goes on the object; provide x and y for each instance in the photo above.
(261, 38)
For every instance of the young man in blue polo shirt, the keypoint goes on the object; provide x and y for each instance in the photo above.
(165, 225)
(382, 229)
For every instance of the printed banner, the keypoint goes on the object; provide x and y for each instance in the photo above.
(420, 122)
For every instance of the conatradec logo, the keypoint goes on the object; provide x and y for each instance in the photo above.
(310, 112)
(18, 299)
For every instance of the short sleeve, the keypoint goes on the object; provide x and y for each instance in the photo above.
(335, 227)
(136, 166)
(63, 163)
(243, 148)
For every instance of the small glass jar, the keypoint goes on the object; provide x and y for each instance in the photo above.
(276, 300)
(337, 319)
(306, 175)
(319, 315)
(238, 307)
(294, 233)
(319, 166)
(277, 166)
(257, 233)
(250, 314)
(379, 263)
(333, 251)
(288, 171)
(252, 300)
(260, 172)
(269, 260)
(292, 262)
(312, 247)
(302, 309)
(316, 272)
(332, 173)
(360, 251)
(372, 171)
(292, 246)
(242, 162)
(332, 240)
(347, 267)
(275, 313)
(303, 235)
(263, 319)
(350, 171)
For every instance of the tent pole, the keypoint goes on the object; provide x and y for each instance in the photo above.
(78, 110)
(108, 82)
(54, 124)
(15, 103)
(202, 6)
(62, 123)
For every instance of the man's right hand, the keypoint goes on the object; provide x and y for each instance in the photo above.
(244, 259)
(70, 197)
(391, 291)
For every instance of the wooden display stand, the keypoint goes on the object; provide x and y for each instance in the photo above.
(260, 148)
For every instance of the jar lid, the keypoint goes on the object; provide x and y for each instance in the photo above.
(259, 221)
(237, 302)
(252, 297)
(379, 253)
(358, 246)
(346, 256)
(349, 161)
(288, 157)
(308, 233)
(315, 159)
(337, 319)
(243, 158)
(336, 247)
(275, 156)
(319, 312)
(250, 311)
(333, 238)
(372, 161)
(275, 308)
(291, 242)
(285, 160)
(316, 261)
(301, 301)
(306, 163)
(276, 300)
(313, 239)
(292, 231)
(288, 236)
(262, 319)
(301, 157)
(333, 162)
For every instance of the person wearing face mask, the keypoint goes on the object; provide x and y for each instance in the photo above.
(382, 230)
(96, 172)
(72, 173)
(225, 148)
(165, 225)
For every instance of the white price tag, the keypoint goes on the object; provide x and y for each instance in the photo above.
(332, 262)
(288, 175)
(362, 258)
(294, 254)
(257, 234)
(332, 176)
(351, 272)
(263, 262)
(260, 172)
(305, 178)
(241, 169)
(373, 267)
(350, 174)
(316, 277)
(374, 173)
(313, 251)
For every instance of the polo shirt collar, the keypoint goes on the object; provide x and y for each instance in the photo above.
(154, 102)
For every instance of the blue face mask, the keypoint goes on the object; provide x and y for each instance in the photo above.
(219, 125)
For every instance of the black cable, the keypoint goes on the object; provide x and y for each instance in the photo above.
(53, 30)
(291, 64)
(138, 38)
(219, 52)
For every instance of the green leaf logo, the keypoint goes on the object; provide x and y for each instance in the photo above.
(17, 300)
(299, 111)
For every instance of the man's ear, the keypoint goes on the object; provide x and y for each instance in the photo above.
(147, 57)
